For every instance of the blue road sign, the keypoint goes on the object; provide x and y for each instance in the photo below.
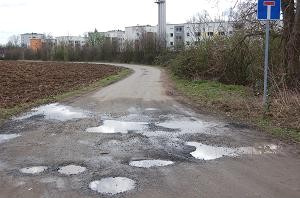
(268, 9)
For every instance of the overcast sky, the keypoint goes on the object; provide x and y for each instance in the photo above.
(75, 17)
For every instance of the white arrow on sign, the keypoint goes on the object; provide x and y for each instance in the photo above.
(269, 4)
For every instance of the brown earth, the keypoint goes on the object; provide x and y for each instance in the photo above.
(23, 82)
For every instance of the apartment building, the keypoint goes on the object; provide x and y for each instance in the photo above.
(25, 38)
(185, 34)
(76, 41)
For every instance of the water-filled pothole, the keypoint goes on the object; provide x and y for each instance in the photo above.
(7, 137)
(150, 163)
(188, 126)
(207, 152)
(113, 126)
(71, 170)
(33, 169)
(112, 185)
(55, 111)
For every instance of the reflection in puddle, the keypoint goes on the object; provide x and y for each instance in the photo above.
(55, 111)
(7, 137)
(206, 152)
(71, 170)
(112, 126)
(113, 185)
(151, 109)
(150, 163)
(34, 169)
(188, 126)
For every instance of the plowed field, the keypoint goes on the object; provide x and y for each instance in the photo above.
(22, 82)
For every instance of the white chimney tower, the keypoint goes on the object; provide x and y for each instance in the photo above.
(162, 20)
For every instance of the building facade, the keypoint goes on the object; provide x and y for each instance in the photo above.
(25, 38)
(75, 41)
(185, 34)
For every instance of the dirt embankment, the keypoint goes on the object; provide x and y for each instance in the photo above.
(24, 82)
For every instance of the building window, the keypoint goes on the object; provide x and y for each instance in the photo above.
(188, 43)
(230, 32)
(171, 43)
(222, 33)
(188, 34)
(198, 34)
(210, 33)
(179, 29)
(171, 34)
(178, 37)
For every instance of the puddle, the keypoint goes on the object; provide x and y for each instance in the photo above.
(71, 170)
(188, 126)
(150, 163)
(206, 152)
(112, 185)
(58, 182)
(7, 137)
(33, 169)
(151, 109)
(55, 111)
(113, 126)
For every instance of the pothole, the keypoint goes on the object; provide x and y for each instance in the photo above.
(188, 126)
(55, 111)
(151, 109)
(150, 163)
(71, 170)
(33, 169)
(112, 185)
(7, 137)
(113, 126)
(207, 152)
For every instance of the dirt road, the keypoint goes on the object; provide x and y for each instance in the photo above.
(131, 139)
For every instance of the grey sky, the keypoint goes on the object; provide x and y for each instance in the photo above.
(75, 17)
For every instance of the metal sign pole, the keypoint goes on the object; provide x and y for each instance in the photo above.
(265, 99)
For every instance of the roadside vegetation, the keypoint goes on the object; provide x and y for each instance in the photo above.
(221, 73)
(27, 84)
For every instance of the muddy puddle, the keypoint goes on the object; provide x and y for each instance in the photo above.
(112, 185)
(150, 163)
(207, 152)
(71, 170)
(34, 169)
(55, 111)
(113, 126)
(7, 137)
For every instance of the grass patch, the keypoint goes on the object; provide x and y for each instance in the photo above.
(239, 103)
(6, 113)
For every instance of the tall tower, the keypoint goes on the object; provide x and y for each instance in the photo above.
(162, 21)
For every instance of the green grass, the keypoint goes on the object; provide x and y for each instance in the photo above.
(209, 91)
(7, 113)
(232, 101)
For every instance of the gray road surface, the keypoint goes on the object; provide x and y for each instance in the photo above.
(134, 120)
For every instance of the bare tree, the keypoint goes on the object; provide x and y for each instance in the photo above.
(14, 41)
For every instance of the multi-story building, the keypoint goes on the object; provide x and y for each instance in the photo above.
(134, 32)
(185, 34)
(117, 37)
(75, 41)
(25, 38)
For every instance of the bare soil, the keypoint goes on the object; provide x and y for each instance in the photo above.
(23, 82)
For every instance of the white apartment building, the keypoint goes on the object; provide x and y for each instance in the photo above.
(25, 38)
(183, 34)
(134, 32)
(116, 36)
(71, 40)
